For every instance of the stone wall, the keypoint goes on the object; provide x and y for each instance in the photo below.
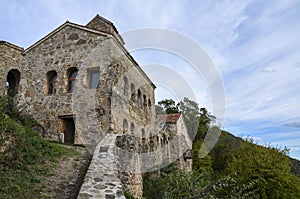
(10, 58)
(101, 179)
(121, 103)
(67, 48)
(129, 164)
(71, 47)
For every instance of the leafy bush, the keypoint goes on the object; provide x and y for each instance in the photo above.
(128, 195)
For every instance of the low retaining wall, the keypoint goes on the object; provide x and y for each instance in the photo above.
(101, 179)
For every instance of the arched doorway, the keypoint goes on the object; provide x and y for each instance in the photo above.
(12, 82)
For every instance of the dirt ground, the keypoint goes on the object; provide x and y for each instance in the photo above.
(66, 176)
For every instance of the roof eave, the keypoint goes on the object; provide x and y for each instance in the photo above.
(67, 23)
(11, 45)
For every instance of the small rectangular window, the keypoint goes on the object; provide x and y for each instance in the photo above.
(103, 152)
(93, 75)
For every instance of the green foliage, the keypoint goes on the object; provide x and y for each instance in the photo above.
(26, 146)
(269, 166)
(153, 185)
(169, 106)
(222, 152)
(194, 116)
(183, 184)
(128, 195)
(229, 187)
(295, 167)
(191, 114)
(235, 168)
(202, 165)
(25, 152)
(9, 109)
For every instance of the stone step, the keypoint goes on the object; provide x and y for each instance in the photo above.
(101, 179)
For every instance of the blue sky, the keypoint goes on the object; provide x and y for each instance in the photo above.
(254, 44)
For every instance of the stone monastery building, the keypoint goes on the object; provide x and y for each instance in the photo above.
(80, 83)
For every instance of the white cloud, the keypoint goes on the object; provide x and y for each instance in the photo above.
(254, 44)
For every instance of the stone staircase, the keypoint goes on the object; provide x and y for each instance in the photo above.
(101, 179)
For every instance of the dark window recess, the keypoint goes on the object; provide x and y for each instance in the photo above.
(188, 154)
(132, 90)
(125, 85)
(72, 74)
(139, 99)
(69, 130)
(12, 82)
(125, 126)
(94, 76)
(52, 76)
(103, 151)
(132, 128)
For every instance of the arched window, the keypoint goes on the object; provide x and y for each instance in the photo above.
(132, 128)
(145, 102)
(125, 126)
(51, 76)
(72, 73)
(139, 99)
(143, 136)
(149, 104)
(12, 82)
(125, 85)
(132, 91)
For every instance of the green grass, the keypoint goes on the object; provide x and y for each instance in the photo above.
(28, 158)
(24, 181)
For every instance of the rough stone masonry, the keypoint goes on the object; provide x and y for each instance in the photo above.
(81, 84)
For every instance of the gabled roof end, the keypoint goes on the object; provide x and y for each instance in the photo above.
(103, 25)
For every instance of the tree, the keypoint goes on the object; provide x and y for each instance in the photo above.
(269, 166)
(191, 114)
(169, 106)
(197, 121)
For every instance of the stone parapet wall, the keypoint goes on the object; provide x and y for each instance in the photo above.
(101, 179)
(129, 164)
(10, 58)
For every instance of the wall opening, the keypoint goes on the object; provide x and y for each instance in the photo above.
(51, 76)
(132, 90)
(12, 82)
(68, 129)
(145, 102)
(132, 128)
(143, 136)
(125, 85)
(72, 74)
(139, 99)
(125, 126)
(93, 77)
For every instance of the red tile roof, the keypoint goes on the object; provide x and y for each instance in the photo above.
(169, 118)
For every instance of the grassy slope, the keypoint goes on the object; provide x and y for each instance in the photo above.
(35, 168)
(227, 143)
(227, 147)
(31, 167)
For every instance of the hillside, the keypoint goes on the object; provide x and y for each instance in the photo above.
(31, 167)
(229, 143)
(295, 167)
(235, 168)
